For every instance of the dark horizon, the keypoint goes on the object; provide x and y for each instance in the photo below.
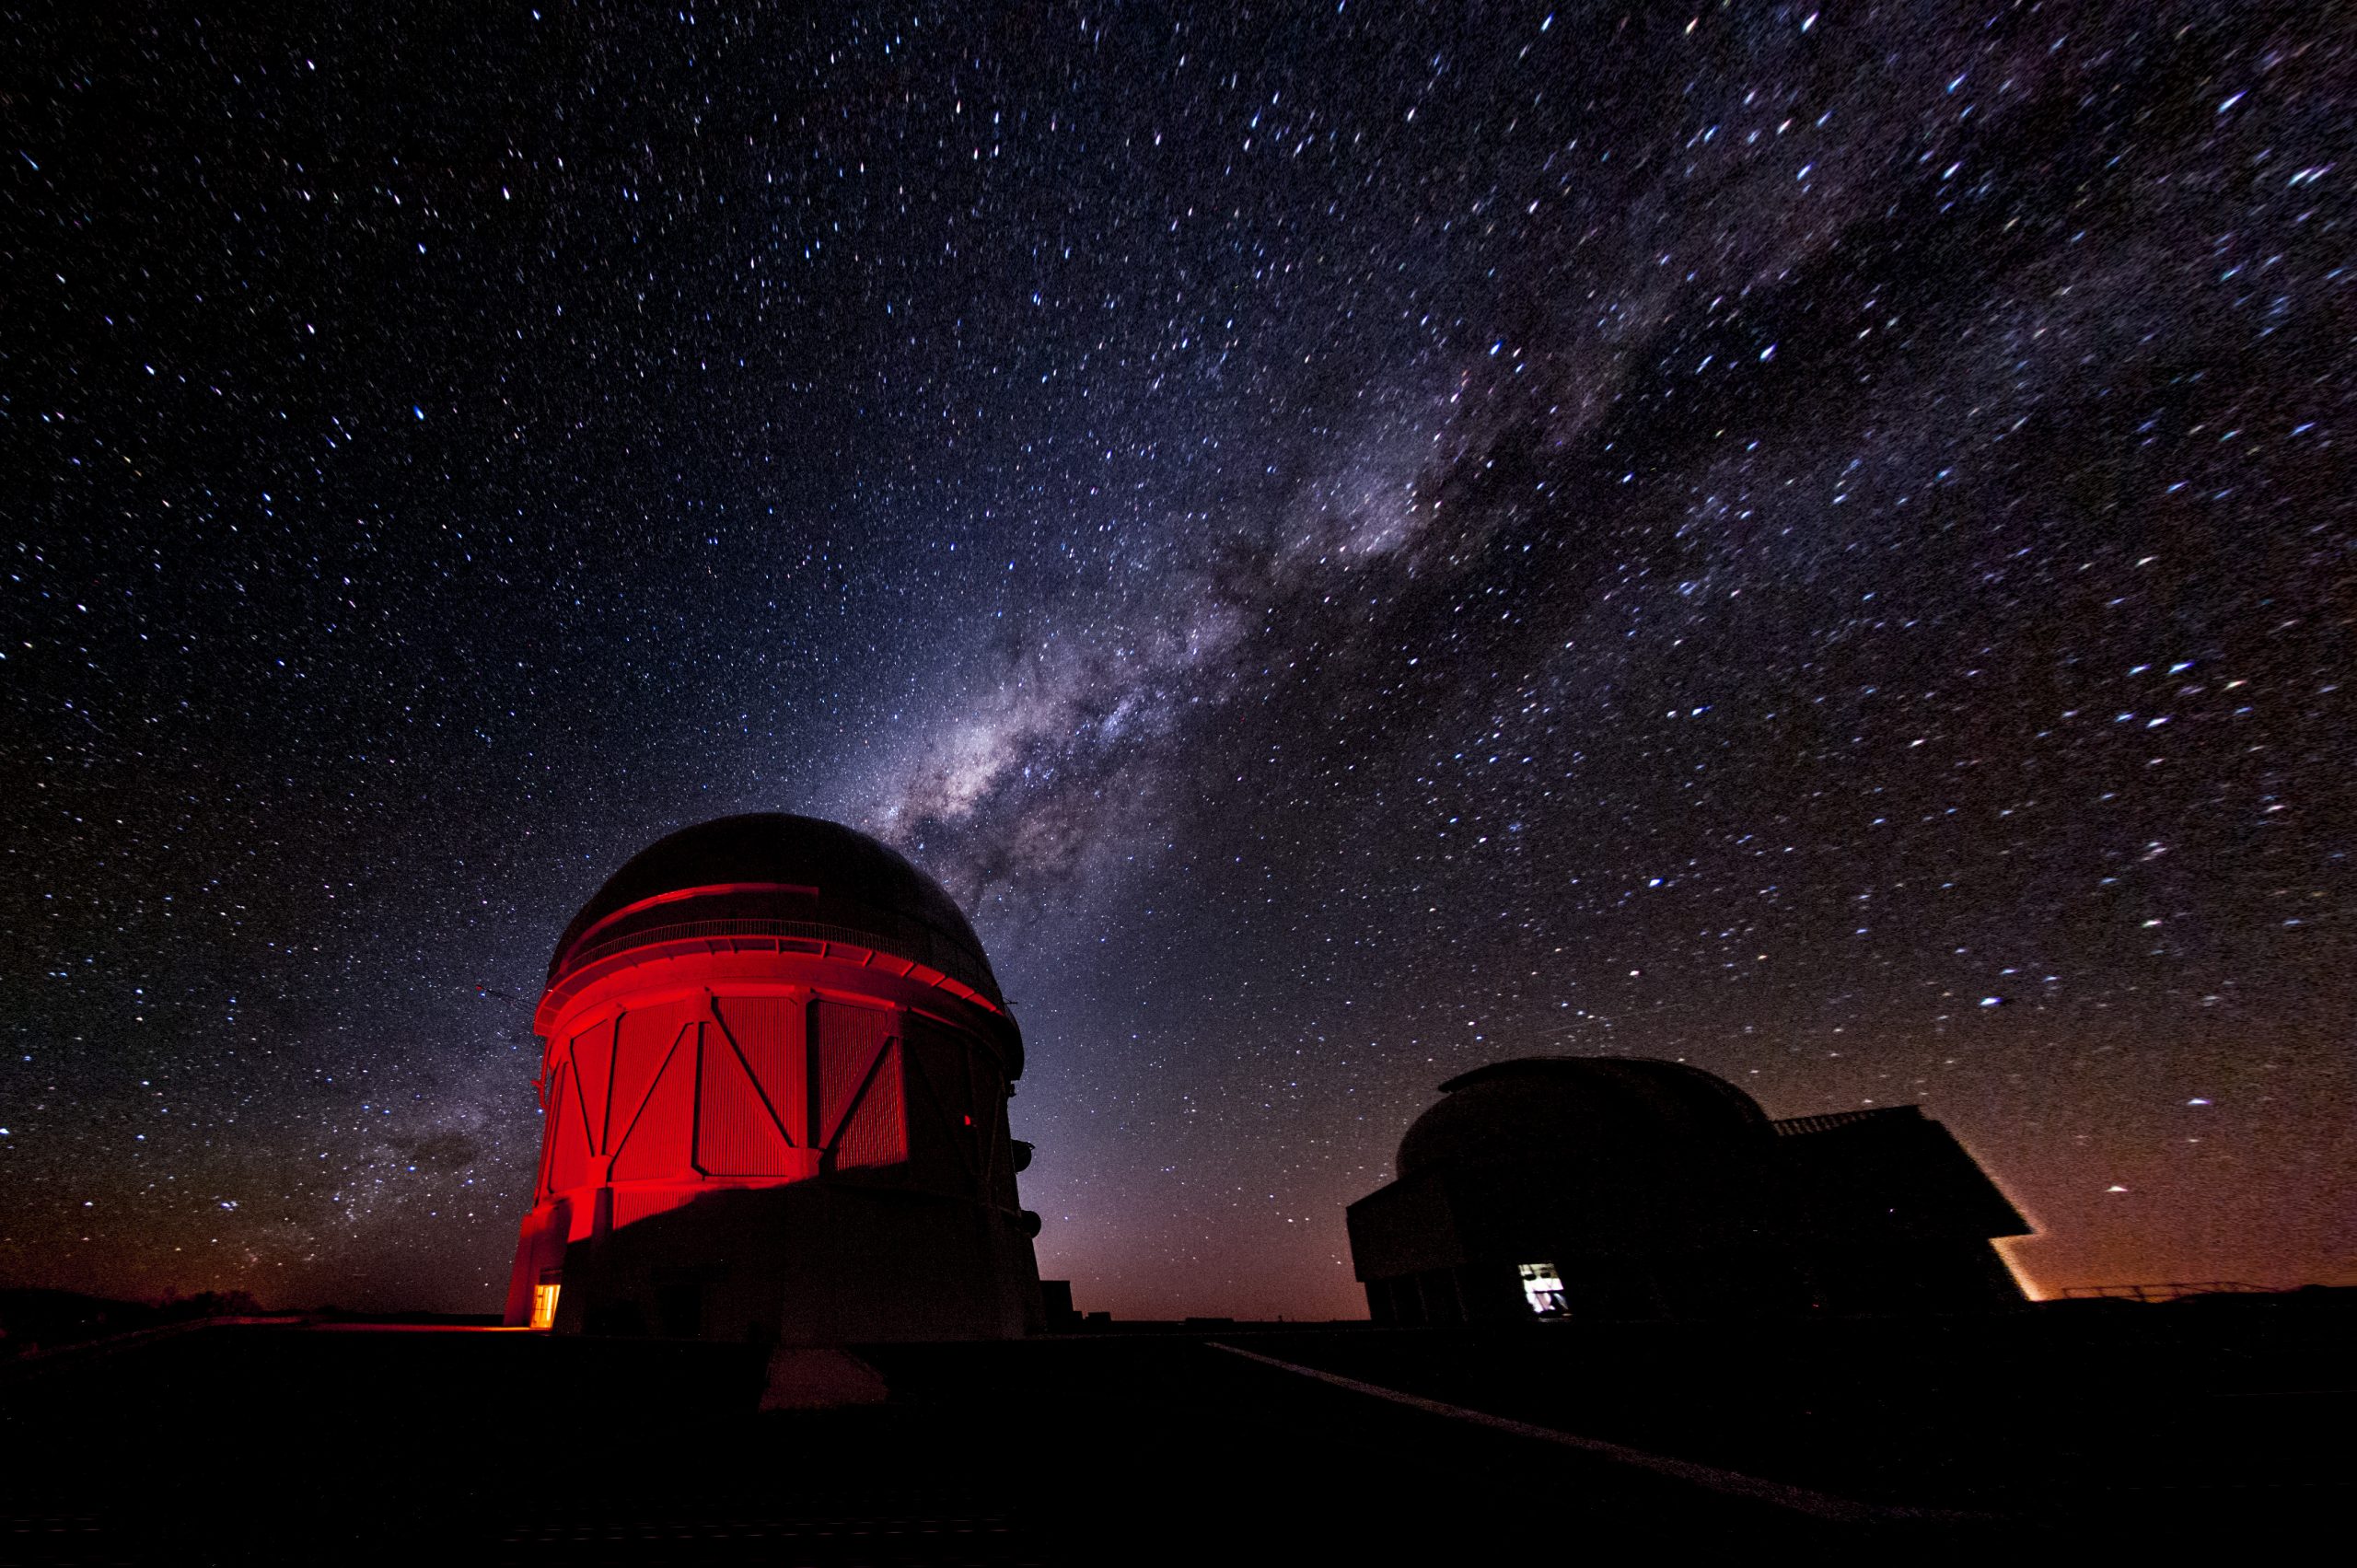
(1811, 544)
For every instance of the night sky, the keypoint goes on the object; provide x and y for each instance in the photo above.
(1816, 542)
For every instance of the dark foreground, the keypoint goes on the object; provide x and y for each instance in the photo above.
(2070, 1428)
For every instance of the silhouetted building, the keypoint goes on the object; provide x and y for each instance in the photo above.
(1055, 1300)
(1608, 1187)
(776, 1083)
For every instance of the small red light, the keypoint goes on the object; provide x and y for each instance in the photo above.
(969, 1122)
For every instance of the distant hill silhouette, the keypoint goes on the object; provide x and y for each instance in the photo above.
(33, 1318)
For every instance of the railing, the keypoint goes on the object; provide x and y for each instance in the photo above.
(1800, 1126)
(2169, 1291)
(914, 947)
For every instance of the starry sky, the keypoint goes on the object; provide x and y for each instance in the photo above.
(1358, 540)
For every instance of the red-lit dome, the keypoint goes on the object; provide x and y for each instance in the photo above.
(1566, 1108)
(775, 1085)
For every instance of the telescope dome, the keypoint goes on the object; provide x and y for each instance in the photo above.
(1577, 1108)
(776, 873)
(773, 1086)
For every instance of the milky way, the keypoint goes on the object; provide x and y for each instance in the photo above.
(1812, 540)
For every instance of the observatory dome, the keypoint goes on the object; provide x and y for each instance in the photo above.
(1577, 1108)
(773, 1087)
(775, 874)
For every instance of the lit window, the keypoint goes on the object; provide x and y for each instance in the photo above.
(1543, 1289)
(544, 1304)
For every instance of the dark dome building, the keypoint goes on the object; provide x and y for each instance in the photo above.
(775, 1080)
(1620, 1188)
(1572, 1109)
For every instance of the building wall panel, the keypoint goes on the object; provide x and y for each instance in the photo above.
(569, 1138)
(767, 1033)
(632, 1204)
(735, 1134)
(661, 1135)
(643, 1040)
(592, 1059)
(849, 1040)
(945, 1141)
(876, 1132)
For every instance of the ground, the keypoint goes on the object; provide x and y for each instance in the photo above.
(317, 1442)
